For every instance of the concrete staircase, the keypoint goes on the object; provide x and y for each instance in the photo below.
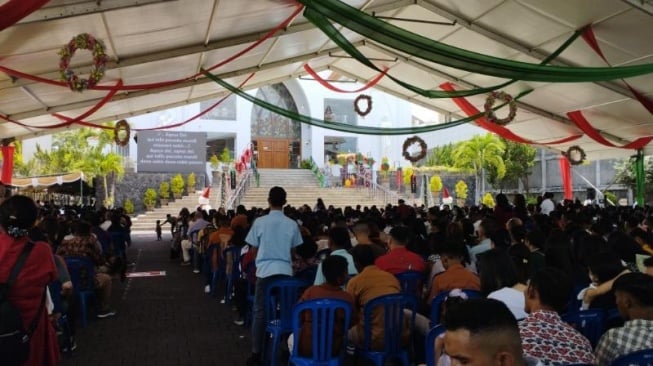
(147, 221)
(302, 187)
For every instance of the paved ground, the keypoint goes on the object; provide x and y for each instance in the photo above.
(161, 320)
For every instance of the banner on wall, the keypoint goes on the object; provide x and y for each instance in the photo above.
(171, 151)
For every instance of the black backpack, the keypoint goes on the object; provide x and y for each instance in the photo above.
(14, 339)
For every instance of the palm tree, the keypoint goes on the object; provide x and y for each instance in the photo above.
(478, 153)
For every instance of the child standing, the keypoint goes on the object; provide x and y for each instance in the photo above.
(158, 230)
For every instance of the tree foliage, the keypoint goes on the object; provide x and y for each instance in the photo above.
(519, 160)
(479, 153)
(80, 150)
(442, 155)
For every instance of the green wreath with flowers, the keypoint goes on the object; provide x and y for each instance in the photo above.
(504, 97)
(121, 133)
(83, 41)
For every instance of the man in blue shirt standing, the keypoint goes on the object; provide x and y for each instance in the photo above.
(272, 237)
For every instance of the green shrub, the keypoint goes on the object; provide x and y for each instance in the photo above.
(190, 181)
(149, 199)
(128, 205)
(177, 185)
(164, 190)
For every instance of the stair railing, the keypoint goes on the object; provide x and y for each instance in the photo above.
(241, 188)
(317, 172)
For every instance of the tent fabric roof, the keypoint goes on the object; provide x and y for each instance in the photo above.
(158, 40)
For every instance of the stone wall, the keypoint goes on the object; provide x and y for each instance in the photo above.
(134, 185)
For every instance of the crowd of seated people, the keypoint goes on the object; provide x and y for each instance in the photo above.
(46, 290)
(541, 263)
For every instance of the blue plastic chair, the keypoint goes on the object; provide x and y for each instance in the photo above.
(231, 259)
(280, 297)
(62, 322)
(214, 274)
(250, 272)
(638, 358)
(436, 304)
(411, 283)
(432, 335)
(393, 319)
(325, 314)
(82, 275)
(588, 322)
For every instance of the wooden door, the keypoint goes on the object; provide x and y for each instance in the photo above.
(273, 153)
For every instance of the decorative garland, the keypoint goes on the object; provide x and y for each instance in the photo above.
(576, 155)
(121, 126)
(369, 105)
(87, 42)
(408, 143)
(489, 103)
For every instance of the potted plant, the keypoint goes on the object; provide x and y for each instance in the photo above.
(190, 183)
(435, 185)
(149, 199)
(214, 161)
(177, 186)
(164, 191)
(128, 205)
(461, 193)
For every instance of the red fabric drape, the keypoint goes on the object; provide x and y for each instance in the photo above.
(565, 173)
(579, 120)
(329, 86)
(7, 164)
(79, 120)
(590, 39)
(15, 10)
(482, 122)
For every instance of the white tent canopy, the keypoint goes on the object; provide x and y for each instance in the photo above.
(158, 40)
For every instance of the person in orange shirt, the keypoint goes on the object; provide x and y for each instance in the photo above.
(454, 255)
(368, 284)
(223, 234)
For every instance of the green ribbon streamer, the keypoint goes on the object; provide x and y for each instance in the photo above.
(325, 25)
(337, 126)
(440, 53)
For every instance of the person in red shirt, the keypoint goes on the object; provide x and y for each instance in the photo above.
(400, 259)
(17, 216)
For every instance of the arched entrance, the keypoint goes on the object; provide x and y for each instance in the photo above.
(277, 139)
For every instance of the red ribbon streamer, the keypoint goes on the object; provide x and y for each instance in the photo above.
(581, 122)
(565, 174)
(7, 164)
(15, 10)
(329, 86)
(590, 39)
(107, 98)
(268, 35)
(198, 115)
(482, 122)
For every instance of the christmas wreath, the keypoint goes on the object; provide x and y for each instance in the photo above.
(367, 110)
(489, 103)
(576, 155)
(408, 143)
(121, 132)
(87, 42)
